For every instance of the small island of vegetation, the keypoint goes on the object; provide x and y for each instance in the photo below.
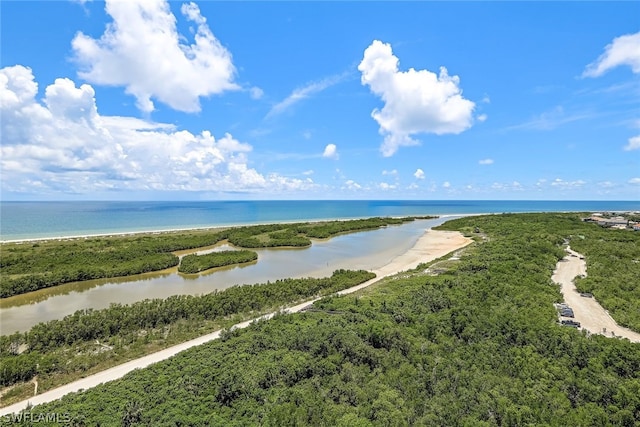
(32, 265)
(192, 264)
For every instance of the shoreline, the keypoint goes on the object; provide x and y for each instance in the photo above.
(213, 228)
(248, 224)
(432, 244)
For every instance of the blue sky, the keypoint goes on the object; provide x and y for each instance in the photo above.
(320, 100)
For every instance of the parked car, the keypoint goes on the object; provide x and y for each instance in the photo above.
(586, 294)
(572, 323)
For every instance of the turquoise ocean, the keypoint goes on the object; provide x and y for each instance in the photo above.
(36, 220)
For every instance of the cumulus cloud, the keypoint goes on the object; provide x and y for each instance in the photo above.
(634, 144)
(419, 174)
(415, 101)
(64, 144)
(330, 151)
(623, 50)
(513, 186)
(446, 184)
(634, 181)
(143, 51)
(567, 185)
(391, 172)
(386, 186)
(486, 162)
(351, 185)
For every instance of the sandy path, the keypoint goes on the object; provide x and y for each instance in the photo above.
(431, 245)
(591, 315)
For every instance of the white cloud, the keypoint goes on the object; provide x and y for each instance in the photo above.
(623, 50)
(486, 162)
(482, 118)
(391, 172)
(419, 174)
(386, 186)
(415, 101)
(552, 119)
(304, 92)
(142, 51)
(606, 184)
(330, 152)
(351, 185)
(634, 181)
(567, 185)
(446, 184)
(308, 172)
(513, 186)
(634, 144)
(256, 93)
(64, 144)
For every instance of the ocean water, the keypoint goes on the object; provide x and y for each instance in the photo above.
(34, 220)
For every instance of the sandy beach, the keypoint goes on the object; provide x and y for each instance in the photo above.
(212, 228)
(431, 245)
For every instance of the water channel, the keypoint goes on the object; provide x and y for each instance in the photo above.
(363, 250)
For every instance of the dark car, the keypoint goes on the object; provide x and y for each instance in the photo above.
(572, 323)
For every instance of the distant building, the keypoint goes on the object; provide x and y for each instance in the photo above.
(618, 222)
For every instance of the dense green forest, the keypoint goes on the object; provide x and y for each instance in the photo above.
(29, 266)
(612, 257)
(68, 347)
(191, 264)
(477, 345)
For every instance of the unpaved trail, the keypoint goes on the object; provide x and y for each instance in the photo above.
(431, 245)
(591, 315)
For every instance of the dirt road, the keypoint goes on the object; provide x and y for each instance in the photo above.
(432, 245)
(591, 315)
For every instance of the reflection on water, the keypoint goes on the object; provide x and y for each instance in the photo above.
(67, 288)
(364, 250)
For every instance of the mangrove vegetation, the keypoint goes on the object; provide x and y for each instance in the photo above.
(193, 263)
(63, 350)
(32, 265)
(476, 345)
